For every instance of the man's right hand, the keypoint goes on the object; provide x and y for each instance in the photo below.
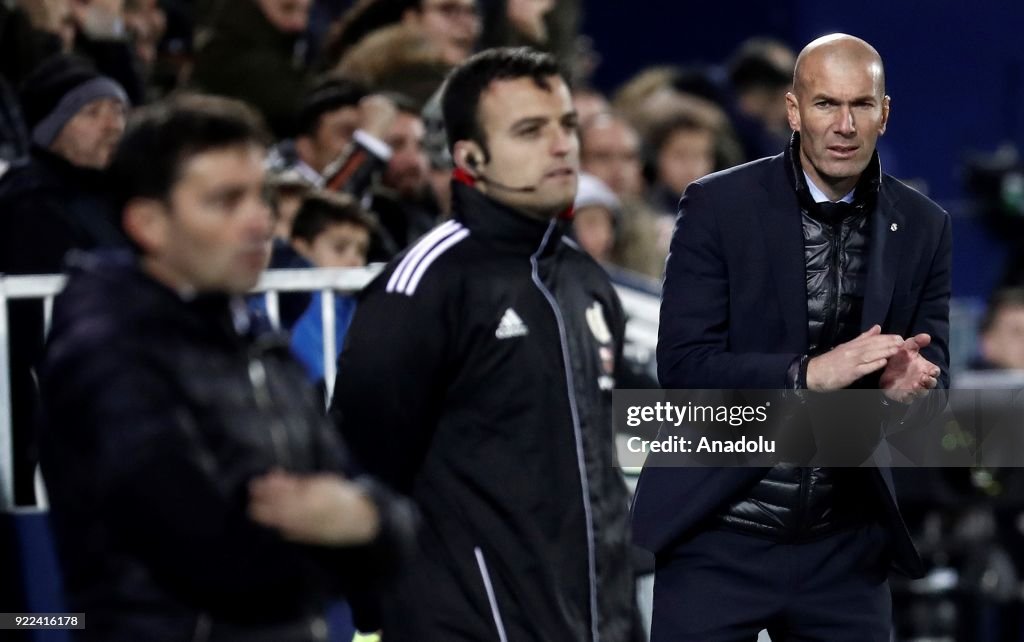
(847, 362)
(376, 115)
(322, 509)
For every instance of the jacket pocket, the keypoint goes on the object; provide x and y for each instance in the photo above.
(491, 599)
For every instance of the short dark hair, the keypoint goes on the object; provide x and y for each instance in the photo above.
(1008, 297)
(327, 95)
(320, 209)
(161, 138)
(460, 100)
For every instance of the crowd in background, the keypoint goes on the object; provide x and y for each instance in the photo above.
(349, 91)
(359, 167)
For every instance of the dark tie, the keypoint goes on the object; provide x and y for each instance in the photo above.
(834, 212)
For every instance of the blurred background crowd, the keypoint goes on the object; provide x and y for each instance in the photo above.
(665, 93)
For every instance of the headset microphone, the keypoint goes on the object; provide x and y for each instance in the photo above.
(472, 161)
(507, 188)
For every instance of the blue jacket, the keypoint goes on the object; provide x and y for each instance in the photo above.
(308, 333)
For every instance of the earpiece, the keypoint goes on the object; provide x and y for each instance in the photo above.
(472, 161)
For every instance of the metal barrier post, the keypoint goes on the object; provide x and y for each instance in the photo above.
(329, 322)
(6, 441)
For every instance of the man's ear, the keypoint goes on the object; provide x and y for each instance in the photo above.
(793, 111)
(146, 221)
(885, 114)
(468, 156)
(303, 247)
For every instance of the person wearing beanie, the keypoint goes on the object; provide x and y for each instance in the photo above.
(73, 111)
(596, 211)
(51, 202)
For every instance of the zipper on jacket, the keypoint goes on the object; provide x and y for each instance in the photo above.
(278, 435)
(580, 455)
(833, 328)
(491, 597)
(801, 504)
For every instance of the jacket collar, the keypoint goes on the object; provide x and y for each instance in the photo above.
(501, 225)
(63, 172)
(218, 318)
(865, 194)
(783, 234)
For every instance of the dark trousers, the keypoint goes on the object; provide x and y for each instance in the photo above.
(722, 586)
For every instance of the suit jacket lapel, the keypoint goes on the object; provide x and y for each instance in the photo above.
(782, 231)
(887, 232)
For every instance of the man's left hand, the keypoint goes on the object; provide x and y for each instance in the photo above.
(908, 375)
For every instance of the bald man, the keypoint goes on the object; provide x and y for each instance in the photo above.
(810, 270)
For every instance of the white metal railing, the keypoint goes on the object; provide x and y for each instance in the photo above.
(327, 281)
(643, 313)
(641, 331)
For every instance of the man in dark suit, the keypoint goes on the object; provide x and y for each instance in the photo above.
(808, 270)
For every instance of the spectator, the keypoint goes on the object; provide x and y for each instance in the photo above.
(516, 23)
(610, 151)
(657, 93)
(397, 59)
(403, 199)
(287, 190)
(50, 203)
(328, 118)
(452, 25)
(595, 214)
(34, 30)
(394, 174)
(1002, 330)
(760, 74)
(194, 484)
(54, 201)
(146, 24)
(102, 37)
(518, 489)
(547, 25)
(682, 149)
(30, 32)
(253, 50)
(330, 231)
(630, 99)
